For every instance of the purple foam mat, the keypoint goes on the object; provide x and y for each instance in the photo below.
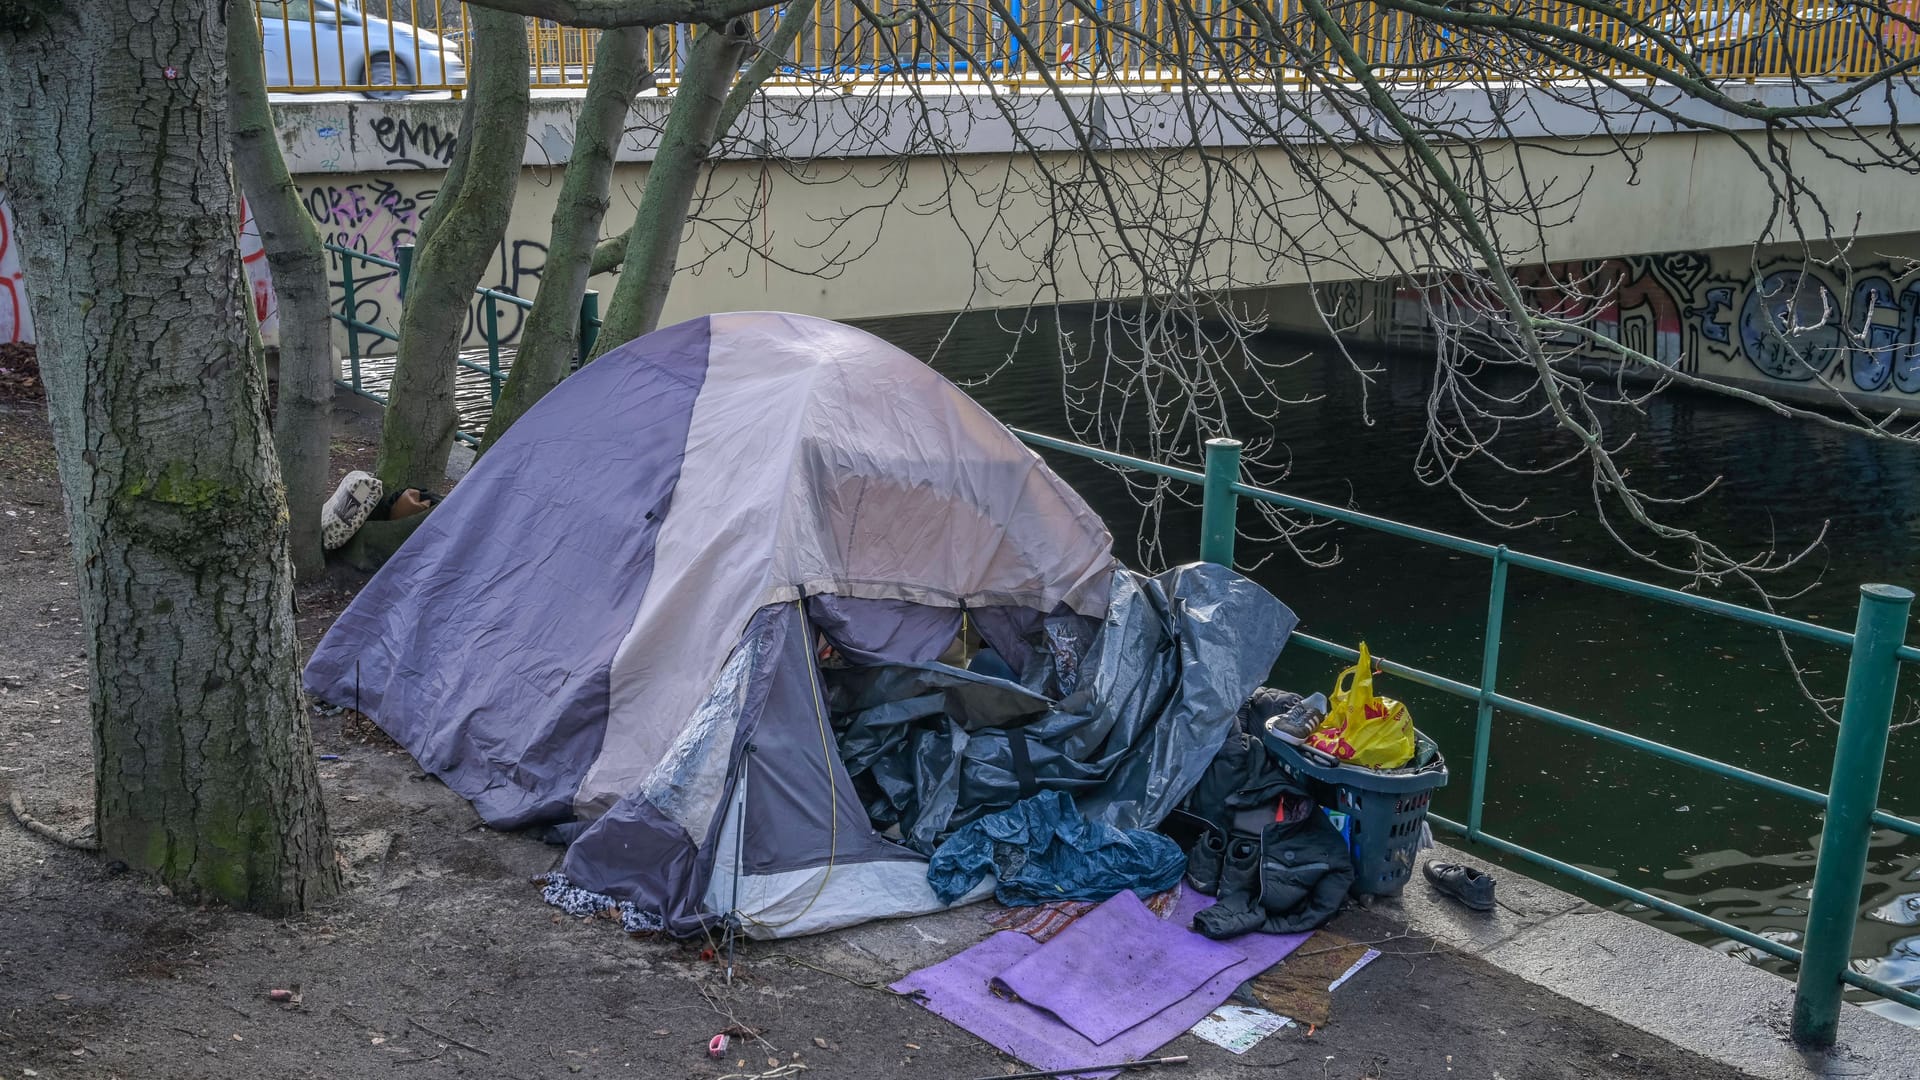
(959, 989)
(1115, 967)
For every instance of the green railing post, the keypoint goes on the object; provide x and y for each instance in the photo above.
(589, 325)
(1859, 757)
(1489, 670)
(403, 254)
(493, 350)
(350, 307)
(1219, 506)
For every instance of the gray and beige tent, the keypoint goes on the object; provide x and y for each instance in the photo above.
(618, 619)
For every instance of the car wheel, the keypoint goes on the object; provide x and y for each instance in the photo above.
(384, 70)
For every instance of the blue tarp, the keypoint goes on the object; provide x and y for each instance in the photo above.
(1124, 714)
(1042, 850)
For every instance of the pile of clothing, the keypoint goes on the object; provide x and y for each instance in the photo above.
(1276, 862)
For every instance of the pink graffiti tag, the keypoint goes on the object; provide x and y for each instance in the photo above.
(16, 323)
(16, 320)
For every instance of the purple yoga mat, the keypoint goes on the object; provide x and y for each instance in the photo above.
(958, 989)
(1116, 966)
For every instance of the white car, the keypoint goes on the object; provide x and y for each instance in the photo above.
(332, 43)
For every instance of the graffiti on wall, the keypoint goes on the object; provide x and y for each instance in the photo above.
(423, 145)
(16, 323)
(373, 216)
(266, 309)
(1788, 320)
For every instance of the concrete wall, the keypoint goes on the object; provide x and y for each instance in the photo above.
(1811, 329)
(844, 211)
(867, 228)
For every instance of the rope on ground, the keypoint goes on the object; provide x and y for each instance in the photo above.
(41, 828)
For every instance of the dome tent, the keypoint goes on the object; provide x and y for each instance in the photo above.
(615, 618)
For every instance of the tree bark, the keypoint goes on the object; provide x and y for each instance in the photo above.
(612, 252)
(461, 234)
(653, 243)
(115, 140)
(303, 417)
(455, 175)
(551, 337)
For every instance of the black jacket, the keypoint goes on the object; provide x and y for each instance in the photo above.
(1306, 870)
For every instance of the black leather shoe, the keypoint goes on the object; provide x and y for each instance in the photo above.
(1463, 883)
(1204, 862)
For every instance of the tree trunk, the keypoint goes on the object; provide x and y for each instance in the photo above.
(612, 252)
(455, 175)
(653, 243)
(303, 420)
(551, 337)
(461, 234)
(115, 141)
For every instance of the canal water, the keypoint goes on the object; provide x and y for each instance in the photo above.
(1690, 680)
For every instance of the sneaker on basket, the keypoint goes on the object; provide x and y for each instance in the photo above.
(1299, 722)
(348, 508)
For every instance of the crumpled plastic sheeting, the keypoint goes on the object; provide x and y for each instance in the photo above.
(583, 904)
(1146, 703)
(1041, 850)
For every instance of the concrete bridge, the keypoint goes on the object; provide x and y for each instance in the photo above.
(891, 202)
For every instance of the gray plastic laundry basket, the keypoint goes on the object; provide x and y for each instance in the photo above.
(1388, 807)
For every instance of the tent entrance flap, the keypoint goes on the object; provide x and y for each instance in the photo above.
(1130, 718)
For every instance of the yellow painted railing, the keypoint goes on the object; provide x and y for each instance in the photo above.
(409, 46)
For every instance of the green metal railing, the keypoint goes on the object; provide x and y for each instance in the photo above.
(1876, 645)
(402, 266)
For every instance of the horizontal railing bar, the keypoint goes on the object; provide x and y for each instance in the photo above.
(1107, 457)
(1628, 892)
(1887, 819)
(1880, 987)
(365, 328)
(1630, 586)
(1541, 564)
(1412, 674)
(1657, 749)
(1368, 521)
(362, 256)
(1882, 818)
(1708, 922)
(347, 384)
(516, 301)
(1737, 612)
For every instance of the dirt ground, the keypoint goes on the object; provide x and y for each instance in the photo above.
(442, 959)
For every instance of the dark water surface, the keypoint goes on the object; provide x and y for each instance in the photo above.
(1690, 680)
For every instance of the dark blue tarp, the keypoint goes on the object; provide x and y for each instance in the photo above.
(1126, 720)
(1041, 850)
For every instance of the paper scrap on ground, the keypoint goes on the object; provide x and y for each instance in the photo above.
(1238, 1027)
(1365, 959)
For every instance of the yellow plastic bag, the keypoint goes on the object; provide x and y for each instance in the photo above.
(1361, 727)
